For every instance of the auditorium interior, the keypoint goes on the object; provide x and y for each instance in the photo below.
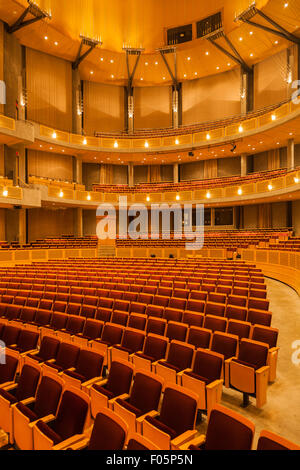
(128, 130)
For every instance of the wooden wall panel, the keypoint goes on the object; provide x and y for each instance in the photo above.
(50, 165)
(103, 107)
(49, 90)
(44, 223)
(152, 107)
(270, 87)
(211, 98)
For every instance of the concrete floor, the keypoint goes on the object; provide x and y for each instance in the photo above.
(281, 414)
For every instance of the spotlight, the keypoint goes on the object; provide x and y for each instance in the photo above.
(191, 154)
(233, 148)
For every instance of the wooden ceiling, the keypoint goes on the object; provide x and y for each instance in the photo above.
(136, 23)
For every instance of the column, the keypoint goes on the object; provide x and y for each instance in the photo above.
(78, 170)
(244, 164)
(175, 173)
(78, 222)
(174, 107)
(130, 110)
(247, 91)
(2, 167)
(77, 103)
(130, 174)
(22, 226)
(291, 154)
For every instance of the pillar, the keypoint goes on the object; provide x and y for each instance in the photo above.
(78, 229)
(174, 107)
(20, 178)
(291, 154)
(247, 91)
(243, 164)
(14, 64)
(130, 174)
(130, 110)
(77, 103)
(22, 226)
(78, 170)
(175, 173)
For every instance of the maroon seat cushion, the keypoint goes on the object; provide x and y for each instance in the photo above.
(36, 357)
(55, 366)
(145, 356)
(31, 415)
(123, 349)
(8, 396)
(104, 391)
(167, 364)
(198, 377)
(129, 407)
(158, 424)
(75, 375)
(248, 364)
(45, 429)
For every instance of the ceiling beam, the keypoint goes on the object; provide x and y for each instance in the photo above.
(234, 55)
(92, 43)
(248, 14)
(34, 10)
(130, 75)
(170, 50)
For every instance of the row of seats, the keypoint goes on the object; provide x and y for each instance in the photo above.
(207, 183)
(102, 336)
(41, 397)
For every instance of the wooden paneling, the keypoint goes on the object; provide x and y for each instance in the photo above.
(49, 90)
(50, 165)
(103, 107)
(44, 223)
(152, 107)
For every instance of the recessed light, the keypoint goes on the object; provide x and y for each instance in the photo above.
(88, 197)
(116, 145)
(5, 193)
(41, 146)
(146, 63)
(277, 143)
(146, 144)
(241, 129)
(142, 78)
(46, 37)
(177, 197)
(273, 117)
(240, 39)
(188, 58)
(54, 135)
(156, 63)
(286, 5)
(176, 141)
(84, 141)
(270, 187)
(208, 195)
(296, 179)
(251, 32)
(251, 55)
(56, 43)
(229, 64)
(91, 72)
(276, 42)
(164, 78)
(206, 53)
(207, 136)
(196, 73)
(240, 191)
(218, 68)
(101, 58)
(184, 75)
(112, 76)
(61, 194)
(111, 61)
(147, 198)
(290, 133)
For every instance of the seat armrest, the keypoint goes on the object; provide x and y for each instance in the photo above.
(187, 436)
(215, 383)
(262, 370)
(10, 387)
(27, 352)
(45, 419)
(123, 397)
(152, 414)
(160, 360)
(28, 401)
(71, 369)
(68, 442)
(198, 441)
(90, 382)
(50, 360)
(183, 371)
(78, 445)
(272, 350)
(101, 383)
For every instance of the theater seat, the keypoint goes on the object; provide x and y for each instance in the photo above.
(143, 398)
(88, 369)
(66, 358)
(179, 358)
(132, 341)
(204, 379)
(117, 383)
(27, 412)
(226, 430)
(48, 350)
(270, 441)
(109, 432)
(155, 348)
(55, 431)
(269, 336)
(249, 372)
(8, 369)
(175, 424)
(138, 442)
(11, 394)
